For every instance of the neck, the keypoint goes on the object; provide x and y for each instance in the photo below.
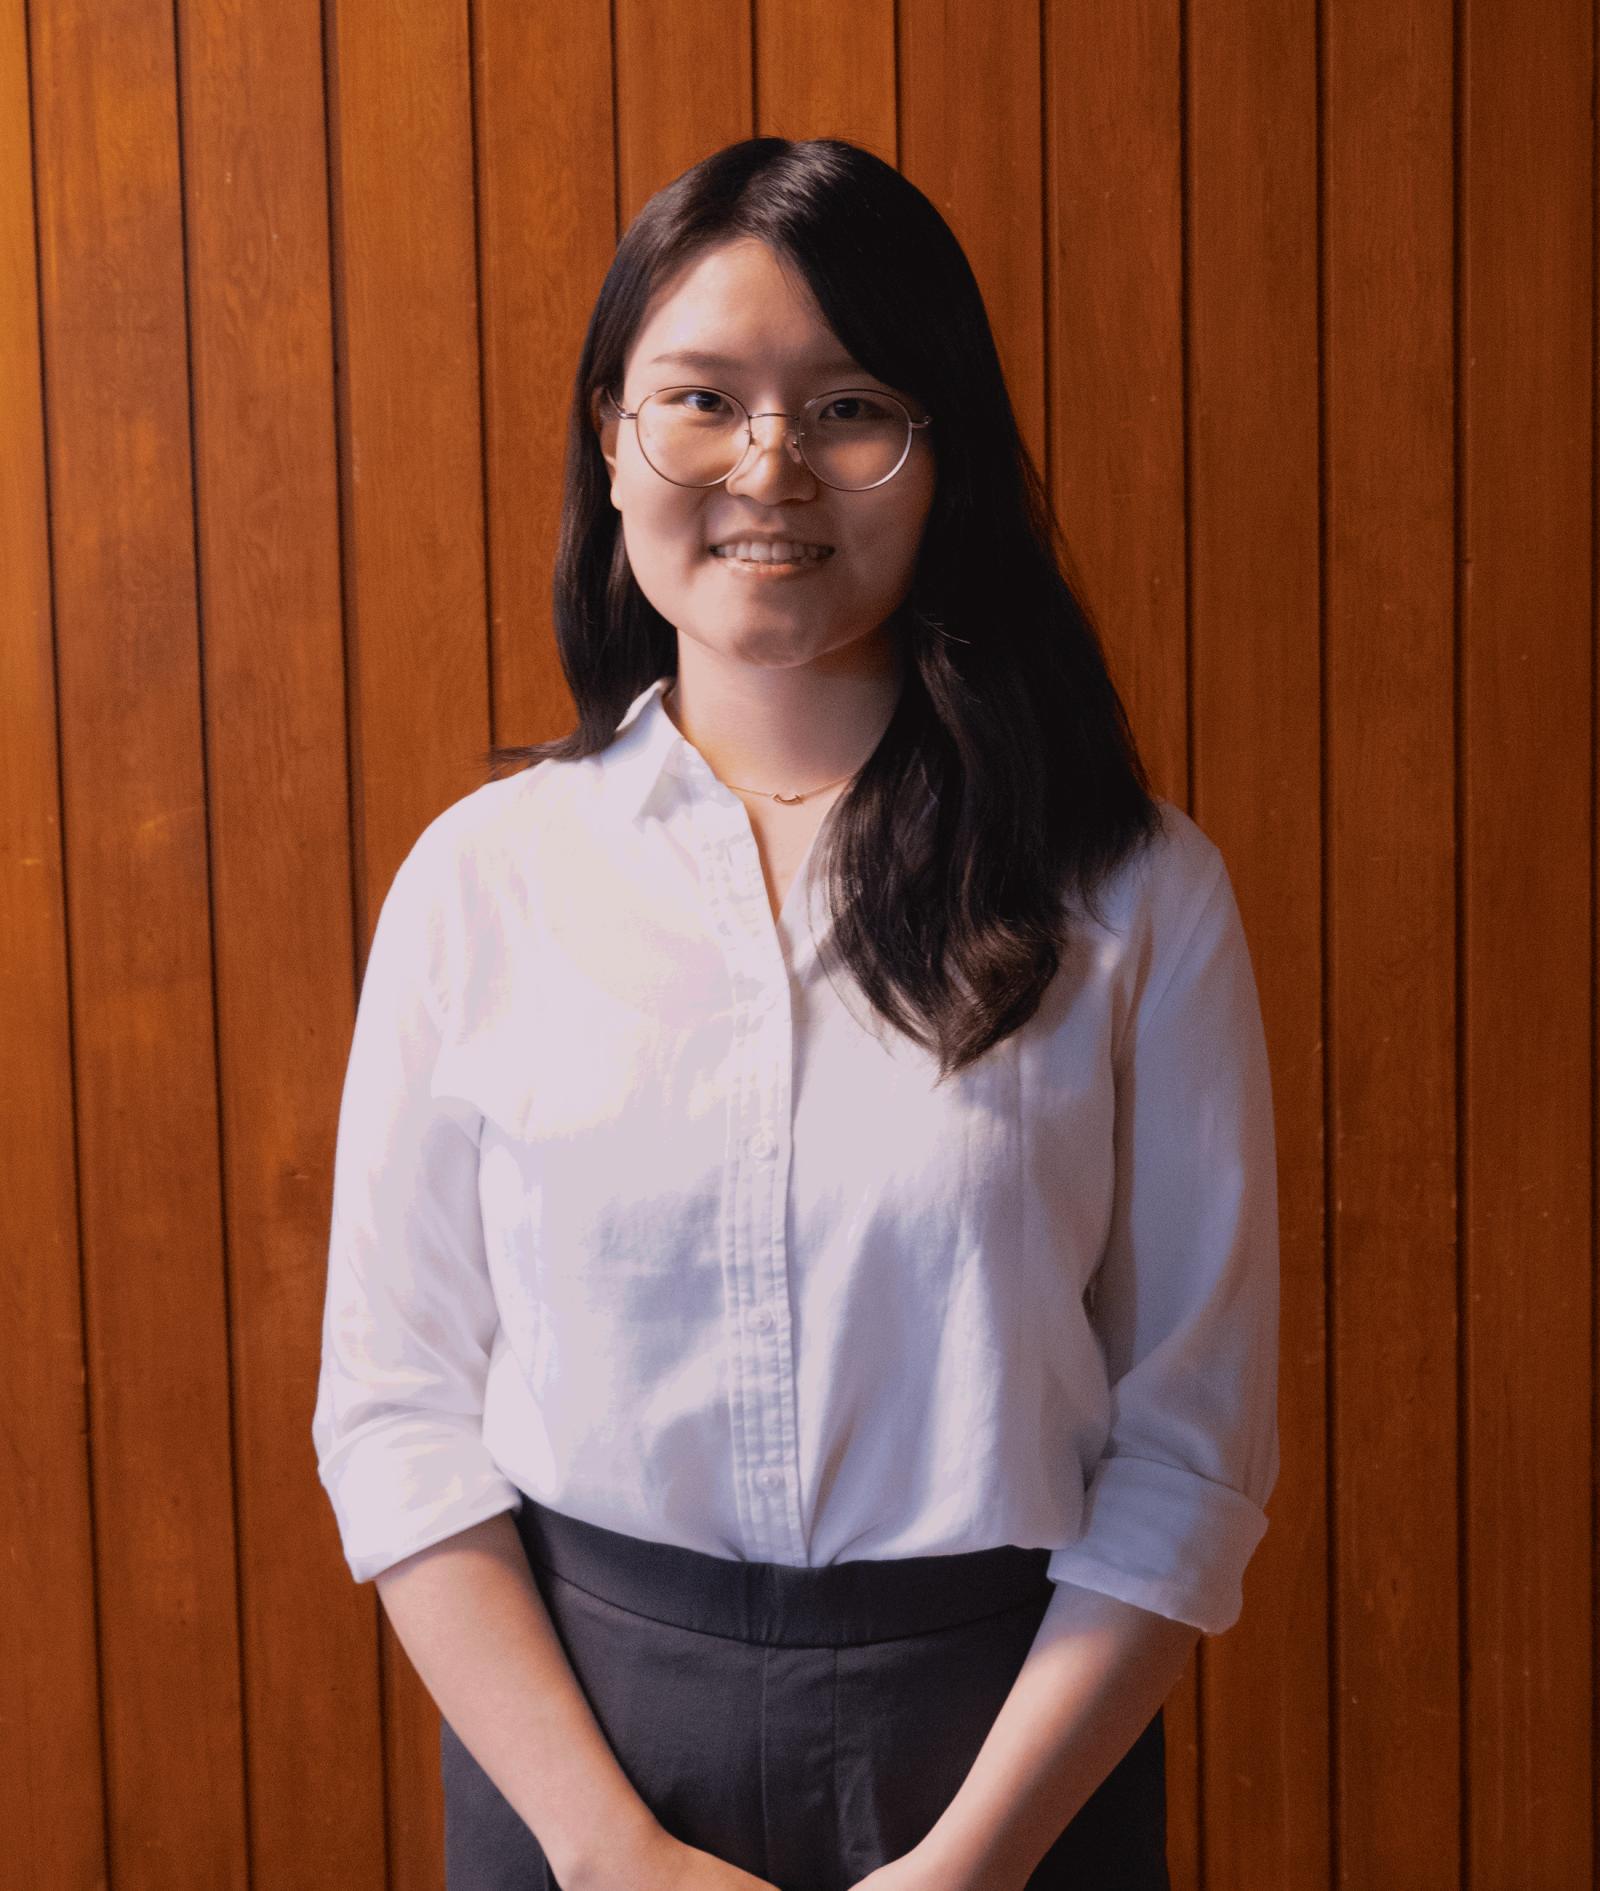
(790, 730)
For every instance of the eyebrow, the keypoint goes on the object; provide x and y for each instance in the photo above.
(698, 358)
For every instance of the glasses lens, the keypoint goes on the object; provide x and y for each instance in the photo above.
(691, 434)
(696, 436)
(855, 439)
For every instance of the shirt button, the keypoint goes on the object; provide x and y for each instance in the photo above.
(768, 1478)
(761, 1144)
(761, 1318)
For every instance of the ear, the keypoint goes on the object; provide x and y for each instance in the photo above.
(603, 417)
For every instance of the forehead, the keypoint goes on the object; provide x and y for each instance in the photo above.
(737, 308)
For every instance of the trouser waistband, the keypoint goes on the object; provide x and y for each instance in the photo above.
(833, 1605)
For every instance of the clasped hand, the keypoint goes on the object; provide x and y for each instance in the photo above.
(680, 1867)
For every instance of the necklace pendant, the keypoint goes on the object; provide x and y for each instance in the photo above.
(788, 797)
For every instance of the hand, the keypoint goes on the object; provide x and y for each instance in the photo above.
(681, 1867)
(915, 1871)
(926, 1868)
(664, 1863)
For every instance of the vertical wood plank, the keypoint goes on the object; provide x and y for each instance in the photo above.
(827, 71)
(1388, 267)
(139, 923)
(546, 232)
(411, 493)
(1527, 268)
(683, 90)
(1131, 184)
(411, 462)
(255, 208)
(1113, 284)
(1114, 208)
(52, 1790)
(971, 139)
(1251, 172)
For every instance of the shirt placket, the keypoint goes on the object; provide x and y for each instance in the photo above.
(759, 1326)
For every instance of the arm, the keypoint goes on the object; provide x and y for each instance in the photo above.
(409, 1322)
(1096, 1673)
(423, 1510)
(1186, 1312)
(475, 1627)
(477, 1631)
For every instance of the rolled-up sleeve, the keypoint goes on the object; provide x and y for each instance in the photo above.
(1185, 1300)
(409, 1317)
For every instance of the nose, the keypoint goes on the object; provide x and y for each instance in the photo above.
(772, 461)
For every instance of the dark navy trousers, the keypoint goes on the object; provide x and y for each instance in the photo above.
(807, 1725)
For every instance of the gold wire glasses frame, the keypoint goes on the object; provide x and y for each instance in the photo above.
(797, 433)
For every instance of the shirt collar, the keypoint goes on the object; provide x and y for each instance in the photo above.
(646, 746)
(648, 754)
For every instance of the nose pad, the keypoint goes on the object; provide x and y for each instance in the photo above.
(755, 452)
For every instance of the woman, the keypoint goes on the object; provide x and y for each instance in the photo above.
(800, 1348)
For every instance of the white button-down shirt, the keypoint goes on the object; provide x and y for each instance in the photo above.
(638, 1207)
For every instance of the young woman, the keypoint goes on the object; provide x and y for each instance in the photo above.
(800, 1346)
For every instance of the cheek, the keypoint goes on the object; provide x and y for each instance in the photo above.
(660, 533)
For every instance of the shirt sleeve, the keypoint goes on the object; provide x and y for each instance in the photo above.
(1185, 1301)
(410, 1314)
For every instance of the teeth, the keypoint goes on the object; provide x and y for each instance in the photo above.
(778, 552)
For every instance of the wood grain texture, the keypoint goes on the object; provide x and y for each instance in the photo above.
(1526, 1025)
(255, 180)
(683, 89)
(813, 80)
(1392, 934)
(139, 921)
(1250, 181)
(52, 1788)
(1297, 309)
(546, 235)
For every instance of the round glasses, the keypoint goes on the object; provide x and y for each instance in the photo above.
(852, 439)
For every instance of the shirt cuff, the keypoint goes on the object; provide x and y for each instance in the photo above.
(1164, 1539)
(409, 1482)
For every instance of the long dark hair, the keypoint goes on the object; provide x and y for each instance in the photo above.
(1007, 785)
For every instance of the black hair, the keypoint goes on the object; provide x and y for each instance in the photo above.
(1007, 784)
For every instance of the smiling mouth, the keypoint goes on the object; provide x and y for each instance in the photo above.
(796, 557)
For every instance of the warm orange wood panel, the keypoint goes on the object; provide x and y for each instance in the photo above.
(546, 185)
(824, 73)
(1114, 220)
(1297, 308)
(52, 1787)
(1525, 293)
(255, 179)
(135, 816)
(1391, 943)
(683, 89)
(1256, 761)
(406, 333)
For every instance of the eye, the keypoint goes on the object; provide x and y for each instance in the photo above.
(857, 408)
(683, 400)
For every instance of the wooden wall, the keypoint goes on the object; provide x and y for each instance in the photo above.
(1298, 309)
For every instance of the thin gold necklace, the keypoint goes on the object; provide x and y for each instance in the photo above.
(773, 793)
